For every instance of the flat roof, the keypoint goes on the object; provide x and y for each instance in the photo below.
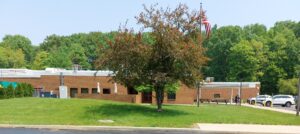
(230, 84)
(27, 73)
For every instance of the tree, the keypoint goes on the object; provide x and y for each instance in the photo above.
(10, 58)
(282, 58)
(54, 42)
(78, 56)
(41, 61)
(243, 62)
(175, 55)
(218, 50)
(288, 86)
(60, 58)
(19, 42)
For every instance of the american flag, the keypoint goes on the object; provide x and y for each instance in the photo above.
(206, 23)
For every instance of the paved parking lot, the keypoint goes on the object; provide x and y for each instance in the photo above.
(292, 108)
(278, 108)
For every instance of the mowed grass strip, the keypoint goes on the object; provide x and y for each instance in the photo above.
(40, 111)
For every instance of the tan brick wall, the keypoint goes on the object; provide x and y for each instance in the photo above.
(52, 83)
(113, 97)
(184, 95)
(227, 93)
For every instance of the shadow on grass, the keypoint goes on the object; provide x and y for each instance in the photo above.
(126, 109)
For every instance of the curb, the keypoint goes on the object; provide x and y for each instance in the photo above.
(74, 127)
(249, 128)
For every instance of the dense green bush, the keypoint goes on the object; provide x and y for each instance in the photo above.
(2, 93)
(22, 90)
(19, 90)
(10, 91)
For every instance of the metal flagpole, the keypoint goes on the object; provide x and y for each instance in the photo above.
(198, 82)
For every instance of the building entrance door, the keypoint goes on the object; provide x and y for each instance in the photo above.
(73, 92)
(147, 97)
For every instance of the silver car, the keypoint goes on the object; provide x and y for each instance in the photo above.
(262, 99)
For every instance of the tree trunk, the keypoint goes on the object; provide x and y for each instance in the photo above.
(159, 96)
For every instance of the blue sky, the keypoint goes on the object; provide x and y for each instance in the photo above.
(36, 19)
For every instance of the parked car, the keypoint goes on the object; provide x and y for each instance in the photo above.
(284, 100)
(261, 99)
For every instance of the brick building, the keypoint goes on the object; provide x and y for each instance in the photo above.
(97, 85)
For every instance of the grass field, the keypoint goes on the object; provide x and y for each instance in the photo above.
(88, 112)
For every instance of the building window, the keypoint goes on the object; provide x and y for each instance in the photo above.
(106, 91)
(94, 90)
(73, 92)
(171, 96)
(217, 96)
(84, 90)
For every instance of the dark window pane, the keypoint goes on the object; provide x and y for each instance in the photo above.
(106, 91)
(171, 96)
(94, 90)
(84, 90)
(217, 96)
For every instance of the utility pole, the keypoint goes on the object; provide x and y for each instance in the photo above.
(298, 102)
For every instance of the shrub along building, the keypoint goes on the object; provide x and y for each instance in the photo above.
(98, 85)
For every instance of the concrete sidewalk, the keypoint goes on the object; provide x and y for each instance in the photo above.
(271, 109)
(243, 128)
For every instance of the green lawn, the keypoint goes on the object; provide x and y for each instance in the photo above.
(88, 112)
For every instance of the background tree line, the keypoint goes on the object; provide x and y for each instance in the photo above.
(249, 53)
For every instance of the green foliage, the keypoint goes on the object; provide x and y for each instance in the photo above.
(41, 60)
(78, 48)
(218, 50)
(289, 86)
(144, 88)
(54, 42)
(28, 90)
(60, 58)
(172, 87)
(169, 87)
(22, 90)
(243, 62)
(10, 91)
(10, 58)
(18, 42)
(78, 56)
(271, 54)
(2, 93)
